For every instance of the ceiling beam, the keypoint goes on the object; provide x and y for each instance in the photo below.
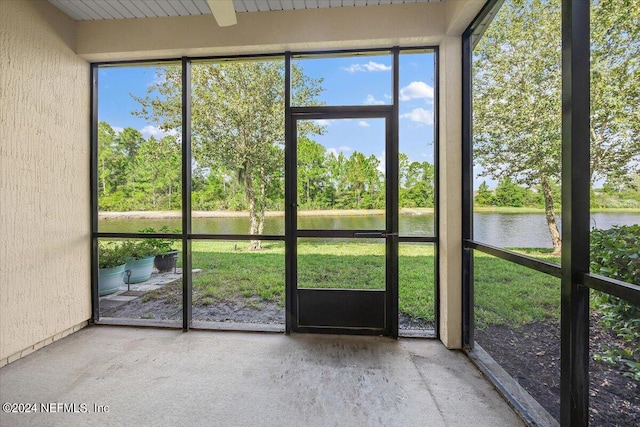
(223, 11)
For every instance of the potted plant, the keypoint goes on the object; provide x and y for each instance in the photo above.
(165, 255)
(111, 265)
(140, 257)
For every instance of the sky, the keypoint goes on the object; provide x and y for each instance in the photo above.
(353, 80)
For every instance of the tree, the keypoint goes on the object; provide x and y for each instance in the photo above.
(420, 189)
(237, 120)
(517, 98)
(157, 174)
(312, 172)
(484, 196)
(509, 193)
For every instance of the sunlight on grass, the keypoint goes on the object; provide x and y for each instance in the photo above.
(509, 294)
(505, 293)
(230, 271)
(343, 265)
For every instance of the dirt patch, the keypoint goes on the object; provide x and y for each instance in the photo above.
(531, 355)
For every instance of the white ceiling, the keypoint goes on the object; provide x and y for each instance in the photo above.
(85, 10)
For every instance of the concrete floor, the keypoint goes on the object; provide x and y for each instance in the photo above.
(164, 377)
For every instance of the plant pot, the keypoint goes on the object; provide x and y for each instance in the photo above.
(166, 262)
(110, 279)
(140, 269)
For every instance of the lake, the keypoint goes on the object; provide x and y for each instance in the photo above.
(499, 229)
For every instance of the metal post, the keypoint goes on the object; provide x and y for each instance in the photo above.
(186, 194)
(574, 363)
(467, 192)
(93, 196)
(392, 202)
(290, 211)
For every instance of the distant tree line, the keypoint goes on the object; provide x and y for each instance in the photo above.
(135, 173)
(623, 194)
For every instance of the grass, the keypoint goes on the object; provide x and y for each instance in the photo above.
(230, 271)
(505, 293)
(509, 294)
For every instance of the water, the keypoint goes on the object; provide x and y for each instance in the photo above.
(498, 229)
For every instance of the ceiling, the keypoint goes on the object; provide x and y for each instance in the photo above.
(85, 10)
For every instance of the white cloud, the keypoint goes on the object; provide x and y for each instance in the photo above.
(363, 124)
(369, 66)
(154, 131)
(117, 129)
(416, 90)
(419, 115)
(322, 122)
(335, 151)
(370, 100)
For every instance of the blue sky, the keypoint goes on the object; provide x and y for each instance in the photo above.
(353, 80)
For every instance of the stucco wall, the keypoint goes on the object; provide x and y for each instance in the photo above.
(450, 202)
(44, 177)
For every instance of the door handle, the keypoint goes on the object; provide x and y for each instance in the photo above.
(379, 234)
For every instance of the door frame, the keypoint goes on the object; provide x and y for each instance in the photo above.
(390, 297)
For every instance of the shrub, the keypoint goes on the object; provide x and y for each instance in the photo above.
(111, 254)
(158, 246)
(615, 253)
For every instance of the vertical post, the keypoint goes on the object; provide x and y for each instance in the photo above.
(392, 202)
(93, 196)
(290, 223)
(574, 381)
(186, 194)
(436, 184)
(467, 191)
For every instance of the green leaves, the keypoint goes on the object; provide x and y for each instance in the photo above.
(616, 253)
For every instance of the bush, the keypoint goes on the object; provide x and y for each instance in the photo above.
(111, 254)
(615, 253)
(158, 246)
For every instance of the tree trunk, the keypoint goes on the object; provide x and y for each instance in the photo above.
(251, 198)
(262, 202)
(556, 240)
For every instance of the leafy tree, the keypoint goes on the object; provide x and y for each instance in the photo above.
(237, 120)
(157, 173)
(484, 196)
(312, 171)
(106, 141)
(509, 193)
(419, 189)
(517, 98)
(364, 180)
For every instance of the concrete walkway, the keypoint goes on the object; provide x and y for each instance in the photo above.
(152, 377)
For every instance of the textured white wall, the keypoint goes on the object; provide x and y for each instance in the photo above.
(450, 202)
(44, 176)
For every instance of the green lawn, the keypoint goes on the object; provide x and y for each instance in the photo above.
(505, 293)
(509, 294)
(231, 271)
